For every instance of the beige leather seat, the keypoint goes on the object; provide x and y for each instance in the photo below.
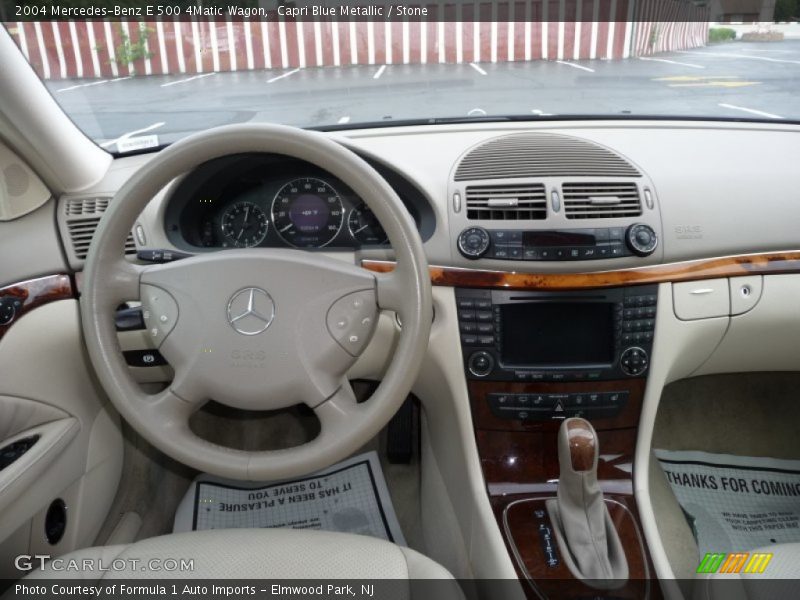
(261, 554)
(779, 581)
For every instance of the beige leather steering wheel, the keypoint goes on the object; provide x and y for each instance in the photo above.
(257, 329)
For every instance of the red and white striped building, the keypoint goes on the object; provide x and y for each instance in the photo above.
(519, 30)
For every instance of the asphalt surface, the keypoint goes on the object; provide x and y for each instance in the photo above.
(736, 80)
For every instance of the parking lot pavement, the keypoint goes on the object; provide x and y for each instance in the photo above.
(736, 80)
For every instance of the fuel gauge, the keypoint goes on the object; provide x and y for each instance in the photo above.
(364, 226)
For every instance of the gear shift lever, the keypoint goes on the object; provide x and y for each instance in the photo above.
(585, 532)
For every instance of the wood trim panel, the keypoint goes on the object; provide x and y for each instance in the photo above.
(34, 293)
(767, 263)
(521, 517)
(519, 460)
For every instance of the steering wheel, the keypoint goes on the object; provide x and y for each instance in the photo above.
(256, 329)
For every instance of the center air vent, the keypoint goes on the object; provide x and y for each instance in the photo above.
(506, 202)
(542, 155)
(82, 217)
(601, 200)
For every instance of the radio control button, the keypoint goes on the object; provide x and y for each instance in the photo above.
(484, 327)
(468, 327)
(466, 303)
(467, 315)
(486, 340)
(469, 340)
(484, 315)
(633, 361)
(483, 304)
(480, 364)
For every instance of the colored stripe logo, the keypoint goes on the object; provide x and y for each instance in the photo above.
(734, 562)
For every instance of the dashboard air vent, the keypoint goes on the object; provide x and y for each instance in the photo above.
(82, 217)
(542, 155)
(601, 200)
(506, 202)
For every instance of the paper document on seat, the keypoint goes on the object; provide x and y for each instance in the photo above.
(735, 503)
(350, 496)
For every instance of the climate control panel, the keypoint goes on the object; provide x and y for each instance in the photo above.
(557, 245)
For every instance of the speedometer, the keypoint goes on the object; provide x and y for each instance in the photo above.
(307, 213)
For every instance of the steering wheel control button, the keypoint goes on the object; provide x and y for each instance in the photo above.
(157, 303)
(473, 242)
(144, 358)
(633, 361)
(480, 363)
(351, 320)
(641, 239)
(250, 311)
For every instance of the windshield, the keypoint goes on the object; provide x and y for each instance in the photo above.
(148, 80)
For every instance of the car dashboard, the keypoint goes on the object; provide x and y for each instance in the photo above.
(577, 269)
(270, 201)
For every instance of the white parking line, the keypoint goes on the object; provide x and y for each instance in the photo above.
(379, 72)
(477, 68)
(125, 136)
(274, 79)
(748, 56)
(753, 111)
(569, 64)
(672, 62)
(344, 120)
(188, 79)
(82, 85)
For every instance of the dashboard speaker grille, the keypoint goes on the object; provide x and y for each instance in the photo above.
(506, 202)
(606, 200)
(542, 155)
(82, 217)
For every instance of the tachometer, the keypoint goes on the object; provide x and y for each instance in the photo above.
(307, 213)
(364, 227)
(243, 225)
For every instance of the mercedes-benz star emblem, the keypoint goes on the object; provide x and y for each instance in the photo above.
(250, 311)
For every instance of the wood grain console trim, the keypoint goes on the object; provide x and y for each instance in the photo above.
(766, 263)
(33, 293)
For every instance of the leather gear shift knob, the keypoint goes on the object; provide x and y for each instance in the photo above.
(586, 535)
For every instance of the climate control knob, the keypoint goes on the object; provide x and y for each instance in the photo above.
(473, 242)
(633, 361)
(480, 363)
(641, 239)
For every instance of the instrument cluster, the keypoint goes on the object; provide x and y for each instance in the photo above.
(271, 201)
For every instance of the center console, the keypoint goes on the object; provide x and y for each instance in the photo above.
(533, 359)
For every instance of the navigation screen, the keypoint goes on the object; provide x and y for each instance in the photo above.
(557, 334)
